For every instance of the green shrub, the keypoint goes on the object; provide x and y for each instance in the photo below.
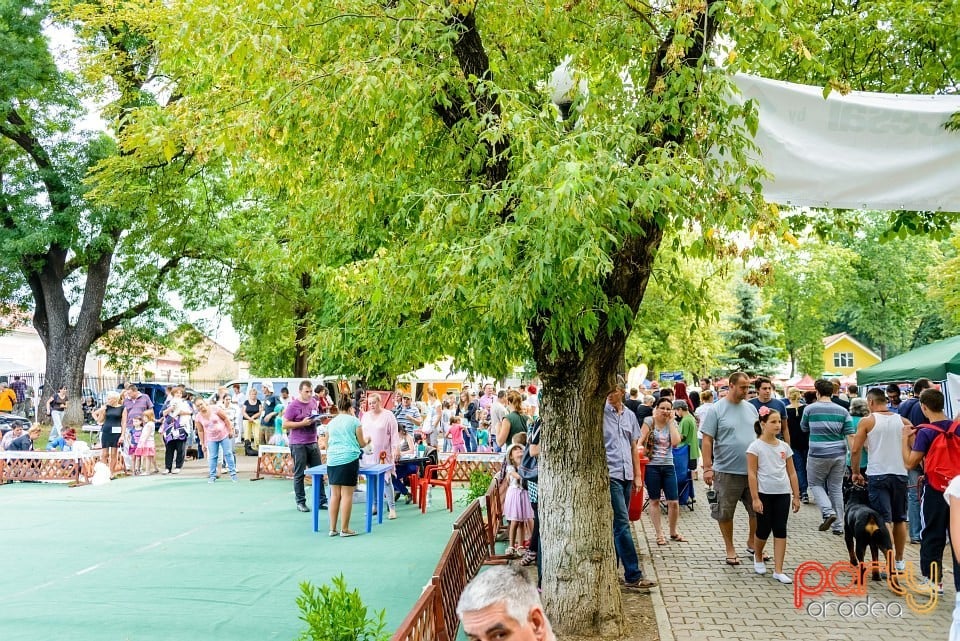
(479, 484)
(334, 614)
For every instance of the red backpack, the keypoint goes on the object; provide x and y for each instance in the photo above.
(942, 461)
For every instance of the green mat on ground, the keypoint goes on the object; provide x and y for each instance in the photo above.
(154, 558)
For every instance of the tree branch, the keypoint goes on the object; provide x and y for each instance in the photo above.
(475, 66)
(153, 295)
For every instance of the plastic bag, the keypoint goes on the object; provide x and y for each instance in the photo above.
(636, 505)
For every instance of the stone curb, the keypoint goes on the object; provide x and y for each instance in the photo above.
(664, 629)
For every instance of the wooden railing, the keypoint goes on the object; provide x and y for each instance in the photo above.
(423, 622)
(434, 616)
(48, 467)
(469, 462)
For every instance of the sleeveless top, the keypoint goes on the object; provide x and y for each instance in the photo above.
(517, 425)
(58, 404)
(884, 443)
(112, 417)
(662, 452)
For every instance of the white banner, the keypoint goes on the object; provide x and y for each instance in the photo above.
(859, 151)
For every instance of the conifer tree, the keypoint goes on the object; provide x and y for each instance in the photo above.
(750, 344)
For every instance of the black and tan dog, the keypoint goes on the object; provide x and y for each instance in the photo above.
(862, 527)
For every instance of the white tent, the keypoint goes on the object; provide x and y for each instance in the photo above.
(9, 367)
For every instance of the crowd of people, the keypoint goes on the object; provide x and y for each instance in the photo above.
(773, 455)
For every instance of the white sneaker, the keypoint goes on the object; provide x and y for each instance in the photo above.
(759, 567)
(900, 566)
(176, 470)
(782, 578)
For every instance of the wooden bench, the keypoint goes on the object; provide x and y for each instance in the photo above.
(434, 616)
(478, 547)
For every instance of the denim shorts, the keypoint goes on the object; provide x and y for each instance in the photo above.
(661, 478)
(888, 496)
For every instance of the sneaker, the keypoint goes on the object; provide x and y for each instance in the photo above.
(805, 499)
(782, 578)
(924, 582)
(827, 522)
(234, 478)
(323, 506)
(176, 471)
(838, 532)
(165, 472)
(510, 551)
(900, 566)
(759, 567)
(302, 507)
(211, 481)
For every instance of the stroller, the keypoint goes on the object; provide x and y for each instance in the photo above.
(681, 462)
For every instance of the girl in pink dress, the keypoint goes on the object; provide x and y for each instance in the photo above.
(455, 434)
(146, 448)
(516, 505)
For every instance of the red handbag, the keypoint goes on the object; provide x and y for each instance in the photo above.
(636, 505)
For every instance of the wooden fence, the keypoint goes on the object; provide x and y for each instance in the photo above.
(434, 616)
(48, 467)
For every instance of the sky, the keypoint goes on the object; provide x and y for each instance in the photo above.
(65, 49)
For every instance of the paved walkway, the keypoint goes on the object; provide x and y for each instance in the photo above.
(703, 599)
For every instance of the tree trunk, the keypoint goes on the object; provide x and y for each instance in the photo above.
(579, 561)
(581, 591)
(67, 345)
(301, 362)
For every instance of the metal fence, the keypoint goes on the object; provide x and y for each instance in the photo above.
(94, 389)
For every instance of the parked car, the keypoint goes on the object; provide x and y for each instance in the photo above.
(158, 392)
(8, 421)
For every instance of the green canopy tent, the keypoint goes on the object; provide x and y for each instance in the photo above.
(940, 362)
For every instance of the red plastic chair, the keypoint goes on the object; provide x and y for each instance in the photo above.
(431, 476)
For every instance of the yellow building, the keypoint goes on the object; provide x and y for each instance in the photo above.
(843, 354)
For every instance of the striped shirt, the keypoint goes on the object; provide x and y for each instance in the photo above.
(829, 426)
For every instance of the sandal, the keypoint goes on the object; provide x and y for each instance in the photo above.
(678, 538)
(528, 559)
(733, 560)
(661, 540)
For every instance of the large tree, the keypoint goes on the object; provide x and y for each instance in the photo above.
(90, 238)
(885, 288)
(488, 180)
(805, 288)
(492, 192)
